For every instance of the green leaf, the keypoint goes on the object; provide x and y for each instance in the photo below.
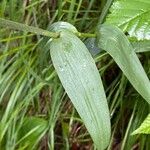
(80, 78)
(131, 16)
(31, 131)
(58, 26)
(141, 46)
(144, 128)
(112, 39)
(138, 46)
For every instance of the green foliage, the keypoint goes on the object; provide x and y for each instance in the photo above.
(138, 115)
(112, 39)
(138, 46)
(141, 46)
(132, 17)
(35, 111)
(80, 78)
(31, 131)
(144, 127)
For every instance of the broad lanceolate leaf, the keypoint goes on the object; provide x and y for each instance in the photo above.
(132, 16)
(144, 128)
(112, 39)
(81, 80)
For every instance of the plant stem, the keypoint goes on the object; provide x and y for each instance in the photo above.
(26, 28)
(85, 35)
(39, 31)
(105, 11)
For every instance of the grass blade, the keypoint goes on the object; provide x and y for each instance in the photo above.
(31, 130)
(105, 11)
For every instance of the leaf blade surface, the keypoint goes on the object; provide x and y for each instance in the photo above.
(112, 39)
(80, 78)
(132, 17)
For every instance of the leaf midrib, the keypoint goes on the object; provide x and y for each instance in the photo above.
(135, 17)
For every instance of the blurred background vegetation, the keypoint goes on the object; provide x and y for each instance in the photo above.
(35, 112)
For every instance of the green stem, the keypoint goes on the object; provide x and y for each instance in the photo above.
(85, 35)
(128, 128)
(26, 28)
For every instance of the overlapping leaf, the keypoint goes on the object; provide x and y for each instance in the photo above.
(131, 16)
(112, 39)
(139, 47)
